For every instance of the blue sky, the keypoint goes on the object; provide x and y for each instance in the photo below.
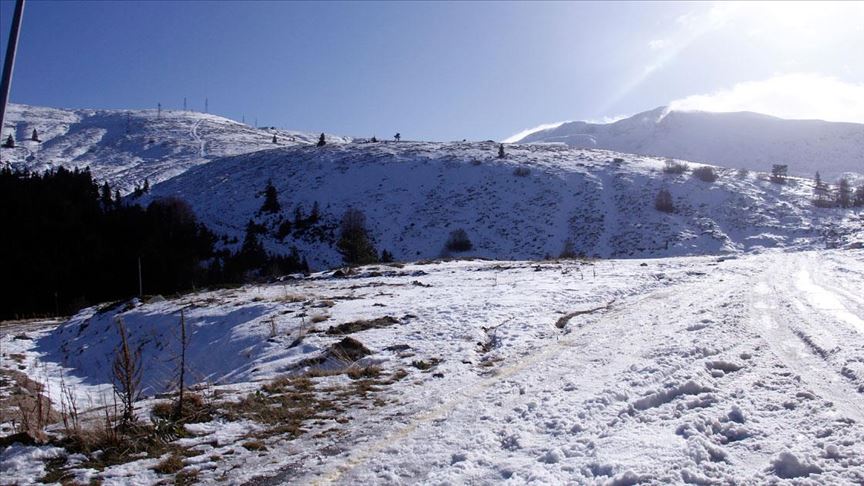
(440, 71)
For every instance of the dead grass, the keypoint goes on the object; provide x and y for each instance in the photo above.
(254, 445)
(184, 478)
(357, 373)
(25, 405)
(285, 404)
(291, 298)
(170, 465)
(195, 409)
(424, 365)
(362, 325)
(319, 318)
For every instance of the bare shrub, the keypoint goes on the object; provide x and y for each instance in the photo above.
(181, 372)
(127, 375)
(663, 201)
(674, 167)
(34, 417)
(69, 410)
(705, 173)
(569, 250)
(521, 171)
(458, 241)
(274, 328)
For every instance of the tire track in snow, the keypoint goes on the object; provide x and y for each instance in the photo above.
(471, 391)
(771, 318)
(201, 143)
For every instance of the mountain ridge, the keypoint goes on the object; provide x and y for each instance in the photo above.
(743, 140)
(123, 147)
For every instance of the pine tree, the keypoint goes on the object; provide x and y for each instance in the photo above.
(315, 215)
(252, 251)
(844, 193)
(107, 202)
(271, 199)
(858, 201)
(117, 198)
(386, 257)
(298, 216)
(354, 244)
(778, 173)
(374, 139)
(821, 193)
(146, 187)
(501, 154)
(321, 141)
(274, 138)
(35, 136)
(10, 142)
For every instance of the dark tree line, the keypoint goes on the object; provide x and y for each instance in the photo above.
(68, 242)
(844, 195)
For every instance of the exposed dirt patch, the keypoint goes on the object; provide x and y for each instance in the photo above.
(362, 325)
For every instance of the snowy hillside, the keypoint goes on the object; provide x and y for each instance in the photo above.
(126, 146)
(737, 140)
(696, 370)
(524, 206)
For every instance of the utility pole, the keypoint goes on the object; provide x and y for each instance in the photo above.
(6, 85)
(140, 285)
(159, 110)
(206, 105)
(184, 103)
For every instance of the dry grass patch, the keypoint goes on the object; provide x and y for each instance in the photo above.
(319, 318)
(291, 298)
(170, 465)
(362, 325)
(356, 373)
(424, 365)
(254, 445)
(195, 410)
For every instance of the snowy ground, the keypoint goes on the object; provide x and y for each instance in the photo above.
(699, 370)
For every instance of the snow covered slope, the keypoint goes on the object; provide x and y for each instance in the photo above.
(695, 370)
(126, 146)
(524, 206)
(738, 140)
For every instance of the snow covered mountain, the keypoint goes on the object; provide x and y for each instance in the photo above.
(738, 140)
(126, 146)
(524, 206)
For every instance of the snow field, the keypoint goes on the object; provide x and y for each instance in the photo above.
(702, 370)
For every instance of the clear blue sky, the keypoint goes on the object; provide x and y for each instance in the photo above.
(435, 71)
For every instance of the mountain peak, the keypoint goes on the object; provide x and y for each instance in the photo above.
(745, 140)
